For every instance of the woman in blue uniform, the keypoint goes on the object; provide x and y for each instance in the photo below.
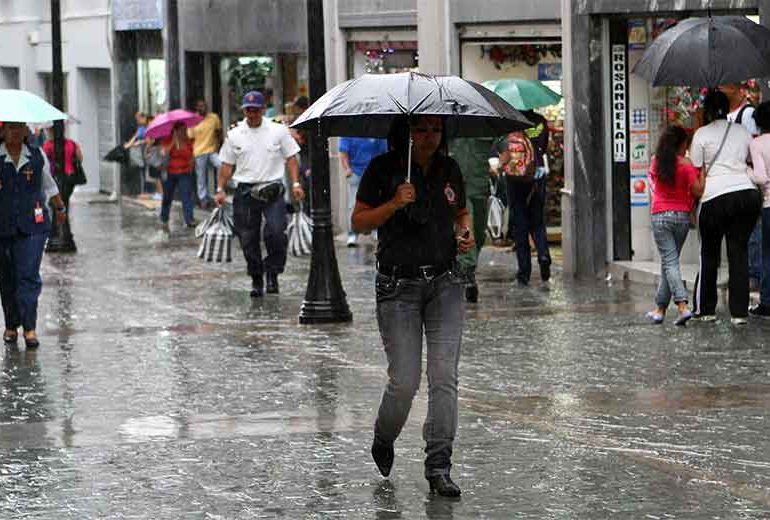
(26, 188)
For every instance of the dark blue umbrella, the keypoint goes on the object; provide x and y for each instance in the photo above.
(707, 52)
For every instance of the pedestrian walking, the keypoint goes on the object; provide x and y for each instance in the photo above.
(179, 149)
(673, 180)
(729, 208)
(526, 199)
(760, 158)
(422, 225)
(472, 155)
(207, 136)
(260, 151)
(72, 153)
(26, 189)
(135, 147)
(355, 155)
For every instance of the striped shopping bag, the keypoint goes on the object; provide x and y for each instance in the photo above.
(300, 232)
(217, 234)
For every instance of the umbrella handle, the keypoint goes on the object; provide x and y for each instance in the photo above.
(409, 159)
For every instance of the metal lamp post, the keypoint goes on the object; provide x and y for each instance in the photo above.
(61, 240)
(325, 299)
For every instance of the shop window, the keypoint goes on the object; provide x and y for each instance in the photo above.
(385, 57)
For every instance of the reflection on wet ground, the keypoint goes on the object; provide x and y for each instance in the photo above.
(162, 391)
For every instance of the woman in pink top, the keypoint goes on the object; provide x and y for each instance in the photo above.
(672, 178)
(760, 158)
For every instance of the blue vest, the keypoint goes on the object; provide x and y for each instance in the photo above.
(20, 194)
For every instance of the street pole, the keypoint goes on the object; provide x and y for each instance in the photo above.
(171, 54)
(61, 240)
(325, 299)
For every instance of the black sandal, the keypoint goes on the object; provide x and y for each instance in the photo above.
(10, 337)
(31, 342)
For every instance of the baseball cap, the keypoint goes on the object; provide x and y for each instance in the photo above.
(253, 99)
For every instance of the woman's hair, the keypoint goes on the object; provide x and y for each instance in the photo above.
(715, 106)
(669, 143)
(762, 116)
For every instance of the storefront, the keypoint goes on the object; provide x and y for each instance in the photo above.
(639, 113)
(522, 51)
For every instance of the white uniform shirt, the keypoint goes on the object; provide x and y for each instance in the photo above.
(259, 154)
(729, 172)
(49, 185)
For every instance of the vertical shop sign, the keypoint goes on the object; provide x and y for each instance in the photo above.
(619, 103)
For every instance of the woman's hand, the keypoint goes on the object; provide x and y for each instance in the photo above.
(465, 240)
(405, 195)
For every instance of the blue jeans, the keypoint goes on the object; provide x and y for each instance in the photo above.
(353, 182)
(20, 282)
(186, 184)
(527, 203)
(407, 309)
(670, 229)
(764, 291)
(247, 220)
(755, 252)
(202, 163)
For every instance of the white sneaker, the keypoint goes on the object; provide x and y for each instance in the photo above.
(352, 240)
(705, 317)
(739, 321)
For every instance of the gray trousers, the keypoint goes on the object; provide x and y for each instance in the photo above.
(407, 309)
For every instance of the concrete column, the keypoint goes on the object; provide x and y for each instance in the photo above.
(584, 229)
(433, 36)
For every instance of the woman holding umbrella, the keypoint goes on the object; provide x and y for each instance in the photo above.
(181, 164)
(730, 206)
(421, 226)
(26, 188)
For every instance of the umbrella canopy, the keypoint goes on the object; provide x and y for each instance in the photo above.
(45, 125)
(523, 94)
(19, 106)
(368, 105)
(163, 123)
(707, 52)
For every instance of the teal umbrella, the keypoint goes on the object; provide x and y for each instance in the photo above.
(523, 94)
(19, 106)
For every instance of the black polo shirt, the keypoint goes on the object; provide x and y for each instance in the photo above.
(422, 233)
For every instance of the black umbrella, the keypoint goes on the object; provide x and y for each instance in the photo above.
(707, 52)
(368, 105)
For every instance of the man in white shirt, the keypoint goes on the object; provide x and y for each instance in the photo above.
(261, 151)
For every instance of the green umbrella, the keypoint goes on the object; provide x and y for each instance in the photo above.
(523, 94)
(19, 106)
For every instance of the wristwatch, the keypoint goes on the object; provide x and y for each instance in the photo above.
(296, 185)
(219, 190)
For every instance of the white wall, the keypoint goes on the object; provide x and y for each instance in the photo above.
(25, 31)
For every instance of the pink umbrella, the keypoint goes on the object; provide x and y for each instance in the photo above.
(163, 123)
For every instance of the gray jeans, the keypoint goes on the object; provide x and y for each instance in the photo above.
(407, 309)
(670, 229)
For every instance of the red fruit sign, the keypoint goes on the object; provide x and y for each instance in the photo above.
(639, 186)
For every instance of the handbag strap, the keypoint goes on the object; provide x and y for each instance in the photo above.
(721, 145)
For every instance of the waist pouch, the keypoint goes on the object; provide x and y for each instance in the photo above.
(269, 193)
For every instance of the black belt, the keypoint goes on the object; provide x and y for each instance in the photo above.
(427, 272)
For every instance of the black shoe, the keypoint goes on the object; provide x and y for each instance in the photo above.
(472, 293)
(545, 271)
(521, 283)
(383, 455)
(31, 343)
(443, 485)
(256, 288)
(760, 310)
(10, 337)
(272, 283)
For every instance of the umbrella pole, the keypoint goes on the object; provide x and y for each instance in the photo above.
(409, 158)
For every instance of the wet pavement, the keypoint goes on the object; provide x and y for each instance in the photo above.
(162, 391)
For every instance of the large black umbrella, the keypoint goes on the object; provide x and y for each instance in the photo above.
(707, 52)
(368, 105)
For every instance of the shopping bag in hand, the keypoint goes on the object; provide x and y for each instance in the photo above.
(217, 242)
(495, 215)
(300, 234)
